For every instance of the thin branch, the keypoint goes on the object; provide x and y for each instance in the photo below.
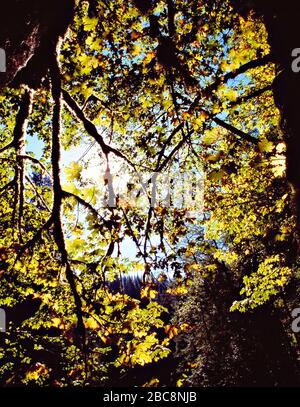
(255, 63)
(40, 197)
(147, 230)
(212, 117)
(91, 128)
(252, 95)
(174, 151)
(7, 147)
(231, 75)
(36, 161)
(32, 242)
(168, 141)
(133, 236)
(231, 128)
(83, 203)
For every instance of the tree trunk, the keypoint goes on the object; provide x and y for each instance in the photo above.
(29, 33)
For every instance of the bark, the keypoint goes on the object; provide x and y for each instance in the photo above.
(29, 33)
(19, 144)
(58, 194)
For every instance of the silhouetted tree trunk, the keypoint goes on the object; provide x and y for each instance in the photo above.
(29, 33)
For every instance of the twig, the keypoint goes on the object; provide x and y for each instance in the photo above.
(91, 128)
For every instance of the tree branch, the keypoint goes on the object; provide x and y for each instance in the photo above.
(252, 95)
(38, 194)
(231, 128)
(255, 63)
(174, 151)
(37, 162)
(168, 141)
(91, 128)
(231, 75)
(58, 196)
(18, 143)
(83, 203)
(7, 147)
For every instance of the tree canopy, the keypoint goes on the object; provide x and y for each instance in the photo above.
(149, 214)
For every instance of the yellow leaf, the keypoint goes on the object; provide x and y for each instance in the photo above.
(90, 23)
(57, 322)
(152, 383)
(162, 277)
(37, 371)
(148, 292)
(184, 327)
(215, 175)
(265, 146)
(210, 137)
(166, 342)
(91, 323)
(171, 331)
(149, 57)
(137, 49)
(186, 115)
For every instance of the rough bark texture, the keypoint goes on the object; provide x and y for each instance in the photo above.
(282, 23)
(29, 33)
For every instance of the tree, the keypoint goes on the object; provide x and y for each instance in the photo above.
(282, 17)
(251, 260)
(158, 95)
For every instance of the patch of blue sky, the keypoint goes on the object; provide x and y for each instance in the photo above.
(35, 146)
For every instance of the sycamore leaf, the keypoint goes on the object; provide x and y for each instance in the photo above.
(90, 23)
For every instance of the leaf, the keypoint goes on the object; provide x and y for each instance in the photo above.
(90, 23)
(91, 323)
(216, 175)
(265, 146)
(137, 49)
(171, 331)
(149, 57)
(210, 137)
(73, 172)
(149, 292)
(186, 116)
